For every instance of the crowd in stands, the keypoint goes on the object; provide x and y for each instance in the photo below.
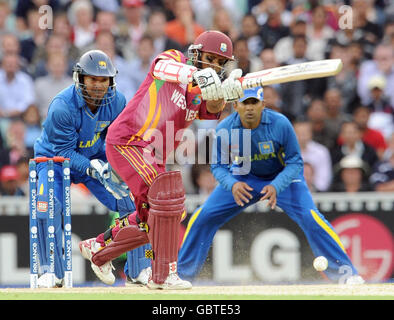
(344, 124)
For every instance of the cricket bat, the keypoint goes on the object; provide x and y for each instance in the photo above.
(293, 72)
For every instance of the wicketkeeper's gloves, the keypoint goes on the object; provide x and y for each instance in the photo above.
(102, 171)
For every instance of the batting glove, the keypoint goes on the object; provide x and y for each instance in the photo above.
(209, 83)
(103, 172)
(232, 88)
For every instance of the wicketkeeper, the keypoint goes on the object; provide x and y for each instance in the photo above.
(75, 128)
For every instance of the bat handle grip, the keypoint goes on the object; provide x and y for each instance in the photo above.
(196, 89)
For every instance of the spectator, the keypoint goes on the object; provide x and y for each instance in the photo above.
(272, 99)
(4, 155)
(106, 5)
(9, 181)
(22, 165)
(372, 137)
(265, 8)
(203, 179)
(105, 42)
(205, 11)
(48, 86)
(379, 101)
(12, 102)
(31, 118)
(309, 175)
(274, 28)
(388, 35)
(183, 29)
(321, 132)
(106, 22)
(15, 139)
(335, 111)
(251, 30)
(371, 31)
(34, 38)
(156, 30)
(318, 33)
(223, 22)
(356, 54)
(63, 28)
(56, 45)
(298, 94)
(244, 59)
(83, 26)
(381, 65)
(10, 44)
(350, 175)
(346, 80)
(316, 154)
(382, 177)
(345, 37)
(382, 112)
(268, 60)
(141, 64)
(284, 47)
(7, 18)
(23, 7)
(134, 27)
(362, 31)
(352, 144)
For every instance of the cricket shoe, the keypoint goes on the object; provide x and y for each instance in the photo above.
(173, 282)
(355, 280)
(88, 248)
(141, 280)
(45, 281)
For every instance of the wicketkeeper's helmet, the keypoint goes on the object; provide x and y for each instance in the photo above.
(95, 63)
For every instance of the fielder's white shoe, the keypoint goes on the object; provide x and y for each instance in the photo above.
(45, 281)
(173, 282)
(355, 280)
(141, 280)
(104, 273)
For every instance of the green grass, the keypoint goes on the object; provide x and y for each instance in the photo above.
(158, 296)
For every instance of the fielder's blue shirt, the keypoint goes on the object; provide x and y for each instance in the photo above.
(270, 151)
(71, 130)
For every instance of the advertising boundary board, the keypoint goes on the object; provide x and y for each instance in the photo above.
(259, 245)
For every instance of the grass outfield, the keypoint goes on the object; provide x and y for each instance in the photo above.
(263, 292)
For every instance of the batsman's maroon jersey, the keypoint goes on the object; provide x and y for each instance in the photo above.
(158, 109)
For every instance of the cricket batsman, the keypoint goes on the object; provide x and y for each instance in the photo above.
(139, 141)
(266, 165)
(75, 128)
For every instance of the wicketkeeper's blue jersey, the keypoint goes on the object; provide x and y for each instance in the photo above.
(72, 131)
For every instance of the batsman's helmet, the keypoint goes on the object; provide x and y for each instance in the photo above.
(95, 63)
(211, 41)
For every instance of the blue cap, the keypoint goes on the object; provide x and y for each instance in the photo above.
(256, 93)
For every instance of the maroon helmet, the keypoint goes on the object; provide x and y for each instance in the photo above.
(214, 42)
(211, 41)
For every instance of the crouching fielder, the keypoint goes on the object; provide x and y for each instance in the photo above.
(138, 143)
(75, 128)
(270, 168)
